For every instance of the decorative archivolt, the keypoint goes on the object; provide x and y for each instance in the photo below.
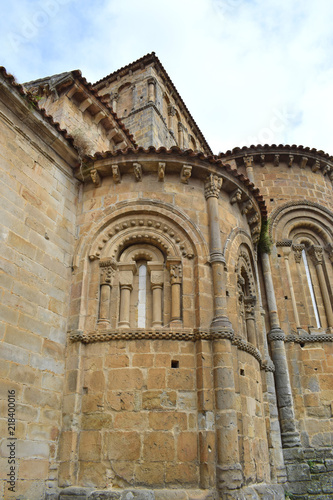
(287, 221)
(132, 229)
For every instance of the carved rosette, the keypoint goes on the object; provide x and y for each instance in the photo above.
(213, 186)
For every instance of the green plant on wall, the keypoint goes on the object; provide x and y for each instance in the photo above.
(265, 242)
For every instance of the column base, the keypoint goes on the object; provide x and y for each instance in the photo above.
(221, 322)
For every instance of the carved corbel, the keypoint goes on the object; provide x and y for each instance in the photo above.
(276, 160)
(248, 161)
(137, 172)
(316, 166)
(291, 159)
(325, 168)
(304, 161)
(116, 174)
(262, 160)
(236, 196)
(254, 219)
(95, 177)
(247, 207)
(161, 171)
(185, 174)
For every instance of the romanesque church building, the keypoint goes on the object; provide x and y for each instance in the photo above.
(166, 313)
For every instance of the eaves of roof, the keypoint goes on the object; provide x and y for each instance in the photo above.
(145, 60)
(175, 151)
(273, 148)
(61, 80)
(28, 97)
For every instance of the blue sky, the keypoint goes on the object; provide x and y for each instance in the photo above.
(250, 71)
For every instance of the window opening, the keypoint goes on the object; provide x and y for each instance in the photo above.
(313, 298)
(142, 296)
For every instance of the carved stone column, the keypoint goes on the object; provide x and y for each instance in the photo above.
(213, 186)
(316, 254)
(126, 272)
(249, 303)
(151, 90)
(114, 102)
(171, 114)
(156, 280)
(297, 249)
(107, 268)
(229, 471)
(248, 160)
(286, 249)
(176, 274)
(180, 135)
(289, 433)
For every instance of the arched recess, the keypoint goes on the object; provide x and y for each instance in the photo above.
(243, 303)
(165, 241)
(303, 234)
(125, 99)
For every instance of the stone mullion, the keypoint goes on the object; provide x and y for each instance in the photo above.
(290, 435)
(316, 254)
(156, 281)
(126, 272)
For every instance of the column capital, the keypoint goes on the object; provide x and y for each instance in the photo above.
(298, 249)
(316, 254)
(213, 184)
(107, 270)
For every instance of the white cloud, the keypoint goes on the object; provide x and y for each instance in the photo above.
(248, 70)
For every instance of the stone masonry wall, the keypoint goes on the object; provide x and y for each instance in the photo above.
(38, 205)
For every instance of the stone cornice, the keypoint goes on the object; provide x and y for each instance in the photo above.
(302, 156)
